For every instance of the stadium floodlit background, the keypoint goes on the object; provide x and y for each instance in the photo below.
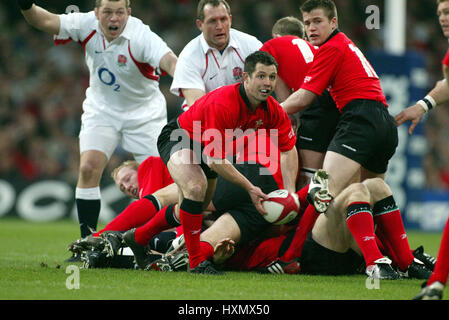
(42, 88)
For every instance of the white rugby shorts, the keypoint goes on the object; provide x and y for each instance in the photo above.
(104, 132)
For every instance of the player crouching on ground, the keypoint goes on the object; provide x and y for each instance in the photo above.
(149, 183)
(330, 248)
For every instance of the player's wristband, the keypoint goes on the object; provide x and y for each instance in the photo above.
(423, 105)
(25, 4)
(427, 103)
(428, 99)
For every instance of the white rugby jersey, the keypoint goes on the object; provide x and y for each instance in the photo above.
(123, 75)
(201, 67)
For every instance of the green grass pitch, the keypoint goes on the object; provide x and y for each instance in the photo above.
(32, 267)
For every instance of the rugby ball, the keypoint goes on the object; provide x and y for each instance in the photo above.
(281, 206)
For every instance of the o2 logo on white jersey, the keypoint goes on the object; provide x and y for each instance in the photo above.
(108, 78)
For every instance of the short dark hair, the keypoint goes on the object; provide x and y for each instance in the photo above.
(328, 7)
(98, 3)
(213, 3)
(258, 57)
(289, 26)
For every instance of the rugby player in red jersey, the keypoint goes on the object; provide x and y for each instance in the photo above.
(295, 56)
(194, 146)
(151, 184)
(366, 135)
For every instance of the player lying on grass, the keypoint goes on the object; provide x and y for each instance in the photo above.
(152, 186)
(330, 248)
(239, 219)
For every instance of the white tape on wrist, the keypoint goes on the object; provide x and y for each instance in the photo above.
(423, 105)
(431, 100)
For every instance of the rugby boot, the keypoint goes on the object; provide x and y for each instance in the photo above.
(112, 242)
(382, 270)
(432, 292)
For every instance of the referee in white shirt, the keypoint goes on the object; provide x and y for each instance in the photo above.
(123, 102)
(214, 58)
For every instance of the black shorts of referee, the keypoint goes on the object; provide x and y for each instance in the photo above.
(173, 138)
(236, 201)
(367, 134)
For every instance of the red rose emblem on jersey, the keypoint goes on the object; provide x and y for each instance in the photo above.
(237, 72)
(122, 60)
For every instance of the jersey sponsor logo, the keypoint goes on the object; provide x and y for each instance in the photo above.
(237, 73)
(121, 60)
(108, 78)
(213, 76)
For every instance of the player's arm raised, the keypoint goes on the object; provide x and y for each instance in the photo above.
(298, 100)
(39, 18)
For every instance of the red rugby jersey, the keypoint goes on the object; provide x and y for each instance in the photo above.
(294, 57)
(342, 67)
(446, 59)
(152, 175)
(259, 147)
(216, 118)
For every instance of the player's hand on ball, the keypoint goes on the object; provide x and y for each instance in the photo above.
(281, 206)
(257, 196)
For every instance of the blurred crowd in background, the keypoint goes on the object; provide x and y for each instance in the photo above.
(42, 86)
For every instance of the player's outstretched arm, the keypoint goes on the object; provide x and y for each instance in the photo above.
(413, 113)
(289, 167)
(298, 100)
(38, 17)
(439, 94)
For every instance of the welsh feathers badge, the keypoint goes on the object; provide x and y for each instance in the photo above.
(121, 60)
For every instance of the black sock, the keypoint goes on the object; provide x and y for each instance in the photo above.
(88, 213)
